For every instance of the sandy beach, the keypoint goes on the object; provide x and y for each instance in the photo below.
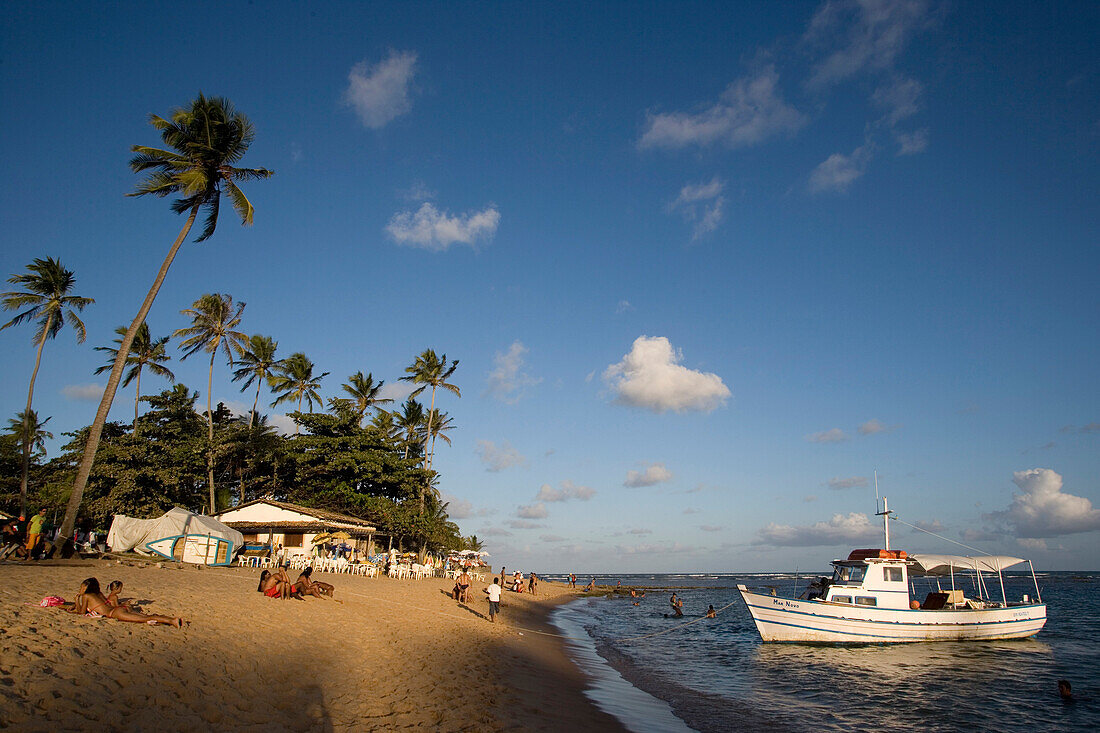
(395, 654)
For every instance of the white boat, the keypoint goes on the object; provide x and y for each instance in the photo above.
(868, 601)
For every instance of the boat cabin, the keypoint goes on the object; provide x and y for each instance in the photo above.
(876, 578)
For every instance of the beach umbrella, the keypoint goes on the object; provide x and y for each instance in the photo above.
(341, 535)
(484, 554)
(321, 537)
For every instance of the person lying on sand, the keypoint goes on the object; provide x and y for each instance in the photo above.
(90, 602)
(276, 584)
(591, 585)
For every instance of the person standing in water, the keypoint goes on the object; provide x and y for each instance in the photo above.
(677, 606)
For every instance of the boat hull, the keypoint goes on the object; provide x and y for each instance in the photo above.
(790, 620)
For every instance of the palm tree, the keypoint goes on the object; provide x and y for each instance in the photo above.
(144, 352)
(258, 364)
(46, 296)
(205, 139)
(383, 421)
(473, 543)
(364, 394)
(431, 370)
(213, 318)
(294, 380)
(438, 425)
(25, 424)
(410, 420)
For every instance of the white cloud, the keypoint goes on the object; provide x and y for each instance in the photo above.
(380, 93)
(83, 392)
(873, 426)
(1033, 544)
(1043, 510)
(435, 230)
(862, 35)
(851, 482)
(551, 538)
(397, 391)
(651, 377)
(524, 524)
(568, 490)
(710, 527)
(418, 191)
(749, 111)
(533, 511)
(838, 171)
(832, 435)
(841, 529)
(702, 205)
(900, 99)
(495, 532)
(654, 473)
(639, 530)
(691, 510)
(623, 307)
(653, 549)
(508, 380)
(462, 509)
(497, 458)
(911, 143)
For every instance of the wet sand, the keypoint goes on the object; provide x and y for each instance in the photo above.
(394, 654)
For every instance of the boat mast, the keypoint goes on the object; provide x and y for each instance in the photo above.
(885, 514)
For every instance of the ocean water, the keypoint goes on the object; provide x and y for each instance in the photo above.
(662, 674)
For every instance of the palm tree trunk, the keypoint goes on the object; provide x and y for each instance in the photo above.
(96, 431)
(255, 403)
(210, 431)
(137, 399)
(427, 461)
(27, 421)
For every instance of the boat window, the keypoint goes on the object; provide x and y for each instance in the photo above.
(865, 601)
(841, 599)
(893, 574)
(847, 574)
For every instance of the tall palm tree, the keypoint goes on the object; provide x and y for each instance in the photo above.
(47, 298)
(25, 424)
(144, 352)
(206, 140)
(257, 365)
(410, 420)
(364, 394)
(294, 380)
(430, 370)
(213, 320)
(437, 425)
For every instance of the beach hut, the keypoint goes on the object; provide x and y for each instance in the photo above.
(270, 523)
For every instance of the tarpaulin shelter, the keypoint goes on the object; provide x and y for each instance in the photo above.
(177, 535)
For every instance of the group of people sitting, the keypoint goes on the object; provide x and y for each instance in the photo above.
(519, 586)
(276, 584)
(91, 602)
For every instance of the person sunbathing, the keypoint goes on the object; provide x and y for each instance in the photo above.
(91, 602)
(276, 585)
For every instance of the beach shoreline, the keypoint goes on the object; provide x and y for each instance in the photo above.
(394, 653)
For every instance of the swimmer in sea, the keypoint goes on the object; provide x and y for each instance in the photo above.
(711, 613)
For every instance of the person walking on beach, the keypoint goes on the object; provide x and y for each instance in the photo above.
(533, 582)
(493, 591)
(572, 581)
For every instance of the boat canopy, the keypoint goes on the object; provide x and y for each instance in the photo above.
(943, 564)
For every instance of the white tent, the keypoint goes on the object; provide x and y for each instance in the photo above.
(178, 535)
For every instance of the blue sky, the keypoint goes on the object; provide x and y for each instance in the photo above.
(706, 267)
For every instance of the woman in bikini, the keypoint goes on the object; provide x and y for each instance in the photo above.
(91, 602)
